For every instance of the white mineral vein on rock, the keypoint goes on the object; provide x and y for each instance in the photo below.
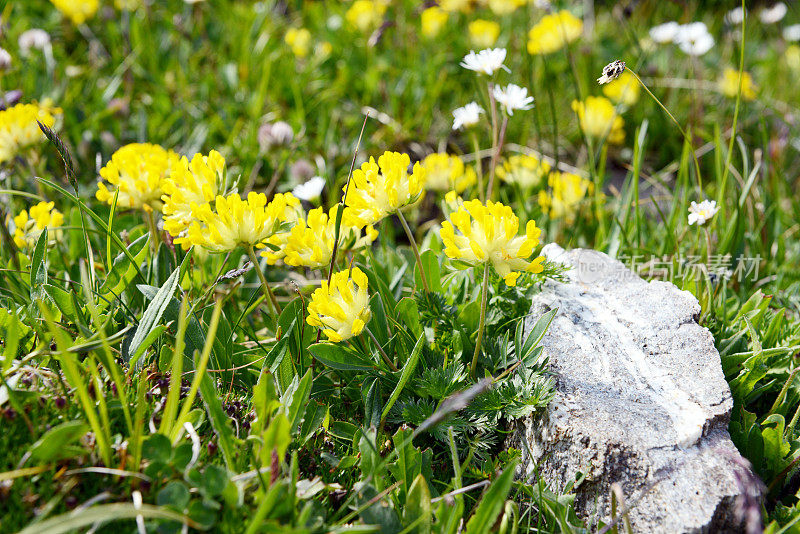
(641, 400)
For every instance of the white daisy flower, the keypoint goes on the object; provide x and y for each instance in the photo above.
(467, 116)
(486, 61)
(792, 33)
(310, 190)
(735, 16)
(700, 213)
(694, 39)
(33, 38)
(512, 97)
(5, 59)
(664, 33)
(773, 14)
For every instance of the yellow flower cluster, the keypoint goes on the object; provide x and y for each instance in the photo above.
(341, 308)
(235, 222)
(554, 32)
(432, 20)
(729, 84)
(78, 11)
(599, 119)
(138, 171)
(28, 225)
(197, 182)
(299, 40)
(483, 33)
(487, 234)
(310, 242)
(366, 15)
(525, 170)
(380, 189)
(445, 172)
(624, 90)
(566, 193)
(18, 128)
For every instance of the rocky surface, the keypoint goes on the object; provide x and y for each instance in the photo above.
(641, 401)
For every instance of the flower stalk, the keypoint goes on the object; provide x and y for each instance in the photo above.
(482, 323)
(416, 251)
(675, 121)
(268, 294)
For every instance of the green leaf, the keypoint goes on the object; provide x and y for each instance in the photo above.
(492, 502)
(100, 513)
(296, 399)
(430, 263)
(152, 315)
(157, 448)
(57, 442)
(470, 315)
(175, 495)
(372, 402)
(38, 267)
(340, 358)
(215, 478)
(123, 272)
(537, 333)
(377, 323)
(417, 510)
(409, 461)
(408, 310)
(63, 301)
(132, 359)
(405, 375)
(314, 416)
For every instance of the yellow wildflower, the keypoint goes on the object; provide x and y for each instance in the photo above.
(483, 33)
(624, 90)
(380, 189)
(138, 170)
(599, 119)
(18, 128)
(234, 221)
(341, 308)
(729, 84)
(433, 20)
(792, 56)
(28, 225)
(78, 11)
(525, 170)
(310, 242)
(195, 182)
(453, 6)
(554, 32)
(566, 193)
(488, 234)
(322, 50)
(504, 7)
(366, 15)
(299, 40)
(445, 172)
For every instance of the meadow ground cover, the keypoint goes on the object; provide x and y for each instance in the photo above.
(265, 265)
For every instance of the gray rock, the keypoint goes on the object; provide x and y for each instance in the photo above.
(641, 401)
